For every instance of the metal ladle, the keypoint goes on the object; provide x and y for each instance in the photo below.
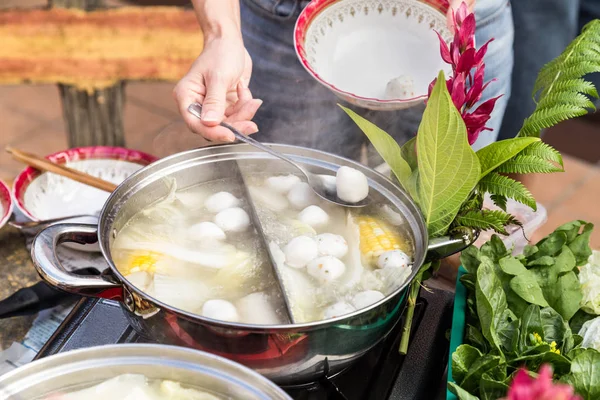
(320, 184)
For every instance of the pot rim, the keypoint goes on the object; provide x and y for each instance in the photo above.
(280, 328)
(145, 351)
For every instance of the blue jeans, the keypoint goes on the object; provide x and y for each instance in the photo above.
(543, 28)
(298, 110)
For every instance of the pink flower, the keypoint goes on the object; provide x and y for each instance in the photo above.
(524, 387)
(466, 84)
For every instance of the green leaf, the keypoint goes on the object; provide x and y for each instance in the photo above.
(580, 246)
(580, 318)
(386, 146)
(552, 244)
(502, 185)
(522, 164)
(554, 326)
(469, 259)
(531, 322)
(526, 286)
(567, 295)
(494, 155)
(545, 261)
(461, 393)
(560, 364)
(487, 219)
(479, 367)
(448, 167)
(409, 153)
(491, 301)
(571, 229)
(508, 331)
(565, 261)
(585, 374)
(544, 151)
(562, 92)
(494, 248)
(475, 338)
(462, 359)
(563, 293)
(512, 266)
(468, 280)
(499, 201)
(530, 250)
(490, 389)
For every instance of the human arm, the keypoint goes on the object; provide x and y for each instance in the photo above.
(219, 77)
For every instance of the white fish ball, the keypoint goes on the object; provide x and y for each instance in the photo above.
(338, 309)
(401, 87)
(314, 216)
(282, 183)
(352, 185)
(221, 310)
(366, 298)
(326, 269)
(257, 309)
(206, 231)
(221, 201)
(393, 259)
(330, 244)
(301, 195)
(300, 251)
(233, 219)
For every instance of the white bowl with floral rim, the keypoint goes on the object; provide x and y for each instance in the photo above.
(6, 204)
(356, 47)
(44, 195)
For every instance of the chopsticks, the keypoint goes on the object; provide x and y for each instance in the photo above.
(49, 166)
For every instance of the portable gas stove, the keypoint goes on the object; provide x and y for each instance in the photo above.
(380, 374)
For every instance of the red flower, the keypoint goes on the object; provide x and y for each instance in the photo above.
(466, 84)
(524, 387)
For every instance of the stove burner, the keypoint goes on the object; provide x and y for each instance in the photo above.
(380, 374)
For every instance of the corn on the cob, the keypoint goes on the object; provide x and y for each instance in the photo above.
(140, 261)
(376, 237)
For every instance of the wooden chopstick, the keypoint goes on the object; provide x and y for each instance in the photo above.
(47, 165)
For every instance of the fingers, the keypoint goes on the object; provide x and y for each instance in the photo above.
(213, 107)
(246, 111)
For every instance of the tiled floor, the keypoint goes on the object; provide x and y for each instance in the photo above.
(31, 119)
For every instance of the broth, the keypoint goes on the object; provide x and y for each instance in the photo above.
(196, 250)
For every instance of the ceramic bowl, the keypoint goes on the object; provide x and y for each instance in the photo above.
(356, 47)
(6, 204)
(43, 195)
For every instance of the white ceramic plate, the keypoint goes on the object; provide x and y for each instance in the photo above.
(46, 195)
(6, 204)
(355, 47)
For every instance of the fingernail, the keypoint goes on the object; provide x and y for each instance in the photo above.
(210, 116)
(259, 101)
(228, 139)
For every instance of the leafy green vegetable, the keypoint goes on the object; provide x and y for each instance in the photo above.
(585, 374)
(462, 359)
(448, 167)
(554, 327)
(580, 318)
(526, 286)
(469, 259)
(531, 323)
(491, 301)
(480, 366)
(386, 146)
(512, 266)
(461, 393)
(491, 389)
(580, 246)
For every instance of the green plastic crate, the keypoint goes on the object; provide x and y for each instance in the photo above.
(457, 333)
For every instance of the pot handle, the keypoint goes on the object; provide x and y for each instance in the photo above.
(445, 246)
(48, 265)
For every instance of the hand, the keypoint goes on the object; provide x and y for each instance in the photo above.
(218, 80)
(454, 5)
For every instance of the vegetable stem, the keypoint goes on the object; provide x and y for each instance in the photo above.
(410, 311)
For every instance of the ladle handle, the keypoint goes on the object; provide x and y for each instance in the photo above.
(196, 110)
(48, 265)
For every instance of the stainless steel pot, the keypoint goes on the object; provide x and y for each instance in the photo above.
(286, 354)
(78, 369)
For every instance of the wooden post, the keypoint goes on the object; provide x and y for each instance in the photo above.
(92, 118)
